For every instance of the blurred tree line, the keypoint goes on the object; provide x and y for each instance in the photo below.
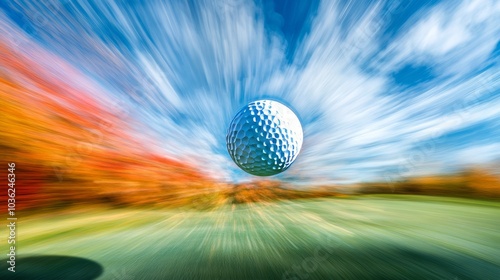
(476, 182)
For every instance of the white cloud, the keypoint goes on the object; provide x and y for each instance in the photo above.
(479, 154)
(454, 37)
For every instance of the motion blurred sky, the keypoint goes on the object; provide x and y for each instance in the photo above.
(381, 87)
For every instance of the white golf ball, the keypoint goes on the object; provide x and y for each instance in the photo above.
(264, 138)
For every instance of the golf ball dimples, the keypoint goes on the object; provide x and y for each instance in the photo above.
(264, 138)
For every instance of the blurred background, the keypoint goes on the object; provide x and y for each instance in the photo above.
(115, 115)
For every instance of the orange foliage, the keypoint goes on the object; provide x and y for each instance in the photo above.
(69, 149)
(472, 182)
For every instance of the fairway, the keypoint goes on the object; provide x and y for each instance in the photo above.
(371, 237)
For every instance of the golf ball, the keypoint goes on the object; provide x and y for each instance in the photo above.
(264, 138)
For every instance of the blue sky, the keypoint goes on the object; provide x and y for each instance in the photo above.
(383, 88)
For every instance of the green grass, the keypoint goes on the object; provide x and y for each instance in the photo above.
(369, 237)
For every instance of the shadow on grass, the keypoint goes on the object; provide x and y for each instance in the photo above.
(51, 267)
